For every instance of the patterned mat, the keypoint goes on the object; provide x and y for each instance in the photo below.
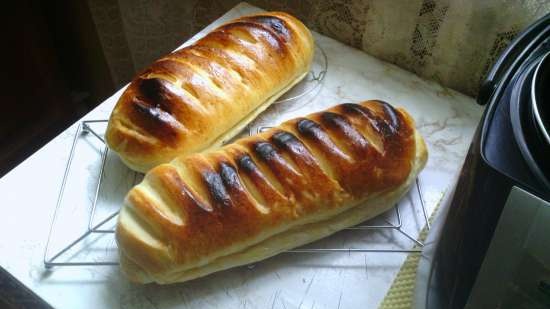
(401, 293)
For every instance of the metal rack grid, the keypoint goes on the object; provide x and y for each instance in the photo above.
(84, 128)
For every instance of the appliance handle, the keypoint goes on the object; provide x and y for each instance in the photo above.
(509, 59)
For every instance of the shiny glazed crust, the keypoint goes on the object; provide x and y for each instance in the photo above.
(267, 193)
(191, 99)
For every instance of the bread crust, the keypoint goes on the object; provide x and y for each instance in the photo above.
(296, 183)
(190, 99)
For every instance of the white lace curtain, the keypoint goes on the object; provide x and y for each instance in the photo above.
(451, 41)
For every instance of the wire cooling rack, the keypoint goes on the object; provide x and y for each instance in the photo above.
(67, 250)
(85, 129)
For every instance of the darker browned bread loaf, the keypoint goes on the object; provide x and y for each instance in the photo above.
(293, 184)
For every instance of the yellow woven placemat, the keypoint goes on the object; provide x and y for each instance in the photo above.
(400, 294)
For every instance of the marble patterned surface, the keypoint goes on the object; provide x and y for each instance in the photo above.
(447, 120)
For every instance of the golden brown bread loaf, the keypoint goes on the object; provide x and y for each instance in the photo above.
(197, 97)
(267, 193)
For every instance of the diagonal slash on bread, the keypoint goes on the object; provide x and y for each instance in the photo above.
(196, 97)
(296, 183)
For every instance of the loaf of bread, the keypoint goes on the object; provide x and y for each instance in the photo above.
(268, 193)
(196, 98)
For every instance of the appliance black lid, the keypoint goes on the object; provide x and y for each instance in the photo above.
(530, 144)
(540, 96)
(499, 148)
(512, 57)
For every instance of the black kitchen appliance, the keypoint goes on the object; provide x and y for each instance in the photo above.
(502, 193)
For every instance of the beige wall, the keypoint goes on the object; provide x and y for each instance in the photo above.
(451, 41)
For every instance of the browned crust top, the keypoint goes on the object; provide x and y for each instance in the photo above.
(306, 165)
(171, 106)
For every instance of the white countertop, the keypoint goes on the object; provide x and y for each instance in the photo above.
(446, 119)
